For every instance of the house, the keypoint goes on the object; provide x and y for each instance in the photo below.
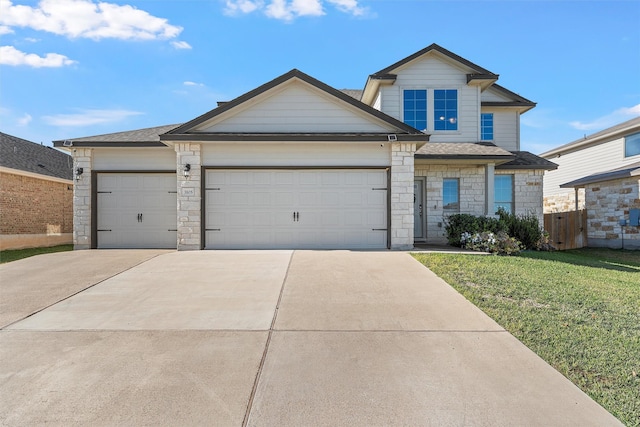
(600, 173)
(36, 194)
(296, 163)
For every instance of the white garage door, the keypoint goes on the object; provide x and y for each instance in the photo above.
(318, 209)
(136, 210)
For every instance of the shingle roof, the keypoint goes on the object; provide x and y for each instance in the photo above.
(527, 160)
(18, 153)
(618, 173)
(459, 150)
(354, 93)
(147, 135)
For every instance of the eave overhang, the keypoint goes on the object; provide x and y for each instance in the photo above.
(482, 80)
(103, 144)
(373, 84)
(420, 139)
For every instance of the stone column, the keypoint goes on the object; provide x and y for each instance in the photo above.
(189, 196)
(490, 191)
(82, 158)
(402, 179)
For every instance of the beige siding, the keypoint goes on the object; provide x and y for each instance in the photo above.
(296, 108)
(134, 159)
(505, 129)
(588, 161)
(435, 73)
(296, 154)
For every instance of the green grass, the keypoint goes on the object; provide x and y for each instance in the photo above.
(14, 255)
(579, 310)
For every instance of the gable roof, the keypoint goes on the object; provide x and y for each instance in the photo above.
(618, 173)
(606, 135)
(147, 137)
(516, 100)
(183, 132)
(478, 70)
(20, 154)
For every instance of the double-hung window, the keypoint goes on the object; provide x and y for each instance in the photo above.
(486, 127)
(632, 145)
(451, 195)
(503, 188)
(445, 109)
(415, 108)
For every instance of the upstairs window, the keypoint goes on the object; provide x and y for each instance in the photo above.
(415, 108)
(445, 109)
(632, 145)
(451, 195)
(486, 127)
(503, 187)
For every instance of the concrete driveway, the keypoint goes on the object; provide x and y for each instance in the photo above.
(262, 338)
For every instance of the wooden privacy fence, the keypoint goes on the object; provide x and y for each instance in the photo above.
(567, 230)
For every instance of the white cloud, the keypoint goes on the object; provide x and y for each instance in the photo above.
(349, 6)
(88, 117)
(9, 55)
(188, 83)
(25, 120)
(618, 116)
(181, 45)
(86, 19)
(235, 7)
(288, 10)
(5, 30)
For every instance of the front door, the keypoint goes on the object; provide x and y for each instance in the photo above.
(418, 210)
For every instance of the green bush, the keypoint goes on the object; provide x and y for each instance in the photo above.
(525, 228)
(457, 224)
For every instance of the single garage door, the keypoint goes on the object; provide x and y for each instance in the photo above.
(136, 210)
(314, 209)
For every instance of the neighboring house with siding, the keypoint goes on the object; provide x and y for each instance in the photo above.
(604, 151)
(600, 173)
(36, 194)
(296, 163)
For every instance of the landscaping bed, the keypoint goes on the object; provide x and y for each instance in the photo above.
(578, 310)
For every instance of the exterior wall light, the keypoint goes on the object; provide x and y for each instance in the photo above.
(187, 170)
(79, 171)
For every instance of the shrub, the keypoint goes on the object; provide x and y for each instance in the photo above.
(457, 224)
(486, 241)
(525, 228)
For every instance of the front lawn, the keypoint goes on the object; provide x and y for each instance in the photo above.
(579, 310)
(14, 255)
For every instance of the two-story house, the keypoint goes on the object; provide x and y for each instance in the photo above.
(296, 163)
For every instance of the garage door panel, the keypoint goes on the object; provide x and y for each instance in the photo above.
(334, 209)
(138, 212)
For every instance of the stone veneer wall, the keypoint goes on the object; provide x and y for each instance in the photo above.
(607, 203)
(82, 158)
(189, 196)
(564, 202)
(528, 194)
(402, 174)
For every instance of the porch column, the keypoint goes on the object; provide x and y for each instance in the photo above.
(189, 196)
(82, 158)
(490, 192)
(402, 177)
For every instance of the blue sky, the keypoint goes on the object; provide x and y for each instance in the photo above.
(72, 68)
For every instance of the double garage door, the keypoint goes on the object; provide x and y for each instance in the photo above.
(307, 208)
(249, 209)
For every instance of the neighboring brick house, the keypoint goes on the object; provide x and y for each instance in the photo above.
(599, 173)
(36, 195)
(296, 163)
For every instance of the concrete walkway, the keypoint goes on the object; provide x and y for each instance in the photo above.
(262, 338)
